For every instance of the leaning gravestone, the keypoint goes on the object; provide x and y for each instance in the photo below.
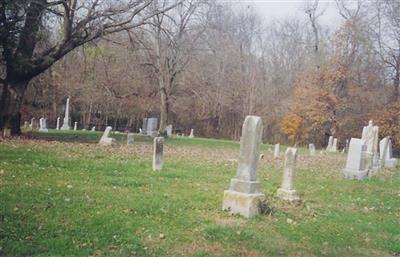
(356, 165)
(130, 139)
(169, 130)
(244, 196)
(386, 155)
(276, 151)
(311, 148)
(43, 125)
(105, 140)
(287, 191)
(65, 125)
(158, 148)
(191, 133)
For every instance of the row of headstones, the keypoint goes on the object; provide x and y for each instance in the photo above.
(364, 159)
(43, 125)
(150, 126)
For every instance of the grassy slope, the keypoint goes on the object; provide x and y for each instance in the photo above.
(81, 199)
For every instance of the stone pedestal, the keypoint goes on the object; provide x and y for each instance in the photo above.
(247, 205)
(243, 196)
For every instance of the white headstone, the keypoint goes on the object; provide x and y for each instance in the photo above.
(75, 125)
(93, 128)
(276, 151)
(334, 146)
(330, 143)
(311, 148)
(169, 130)
(370, 134)
(43, 125)
(386, 155)
(355, 165)
(65, 125)
(287, 191)
(158, 152)
(151, 129)
(244, 196)
(191, 133)
(58, 123)
(130, 139)
(26, 125)
(105, 140)
(32, 125)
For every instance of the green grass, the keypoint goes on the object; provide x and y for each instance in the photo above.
(79, 199)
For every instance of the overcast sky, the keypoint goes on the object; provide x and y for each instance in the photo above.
(280, 9)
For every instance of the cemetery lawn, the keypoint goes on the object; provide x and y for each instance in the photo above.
(81, 199)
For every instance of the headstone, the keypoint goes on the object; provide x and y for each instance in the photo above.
(43, 125)
(130, 139)
(386, 155)
(26, 125)
(355, 165)
(191, 133)
(32, 125)
(169, 130)
(370, 134)
(158, 149)
(276, 151)
(243, 196)
(311, 148)
(152, 127)
(287, 191)
(334, 146)
(65, 125)
(75, 125)
(144, 130)
(330, 143)
(93, 128)
(58, 123)
(140, 131)
(105, 140)
(346, 149)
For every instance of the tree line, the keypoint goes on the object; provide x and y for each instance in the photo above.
(202, 65)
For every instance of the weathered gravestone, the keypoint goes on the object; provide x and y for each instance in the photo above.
(75, 126)
(287, 191)
(105, 140)
(311, 148)
(93, 128)
(158, 151)
(43, 125)
(26, 125)
(144, 130)
(334, 146)
(355, 165)
(386, 155)
(330, 144)
(32, 125)
(65, 125)
(130, 139)
(276, 151)
(243, 196)
(58, 123)
(370, 134)
(169, 130)
(191, 133)
(151, 129)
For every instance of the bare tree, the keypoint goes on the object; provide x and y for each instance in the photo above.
(27, 51)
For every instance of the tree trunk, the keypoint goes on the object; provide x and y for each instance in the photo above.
(10, 106)
(164, 109)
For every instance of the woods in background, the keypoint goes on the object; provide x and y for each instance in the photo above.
(206, 65)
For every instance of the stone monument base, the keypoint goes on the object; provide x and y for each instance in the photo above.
(288, 195)
(355, 174)
(108, 141)
(247, 205)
